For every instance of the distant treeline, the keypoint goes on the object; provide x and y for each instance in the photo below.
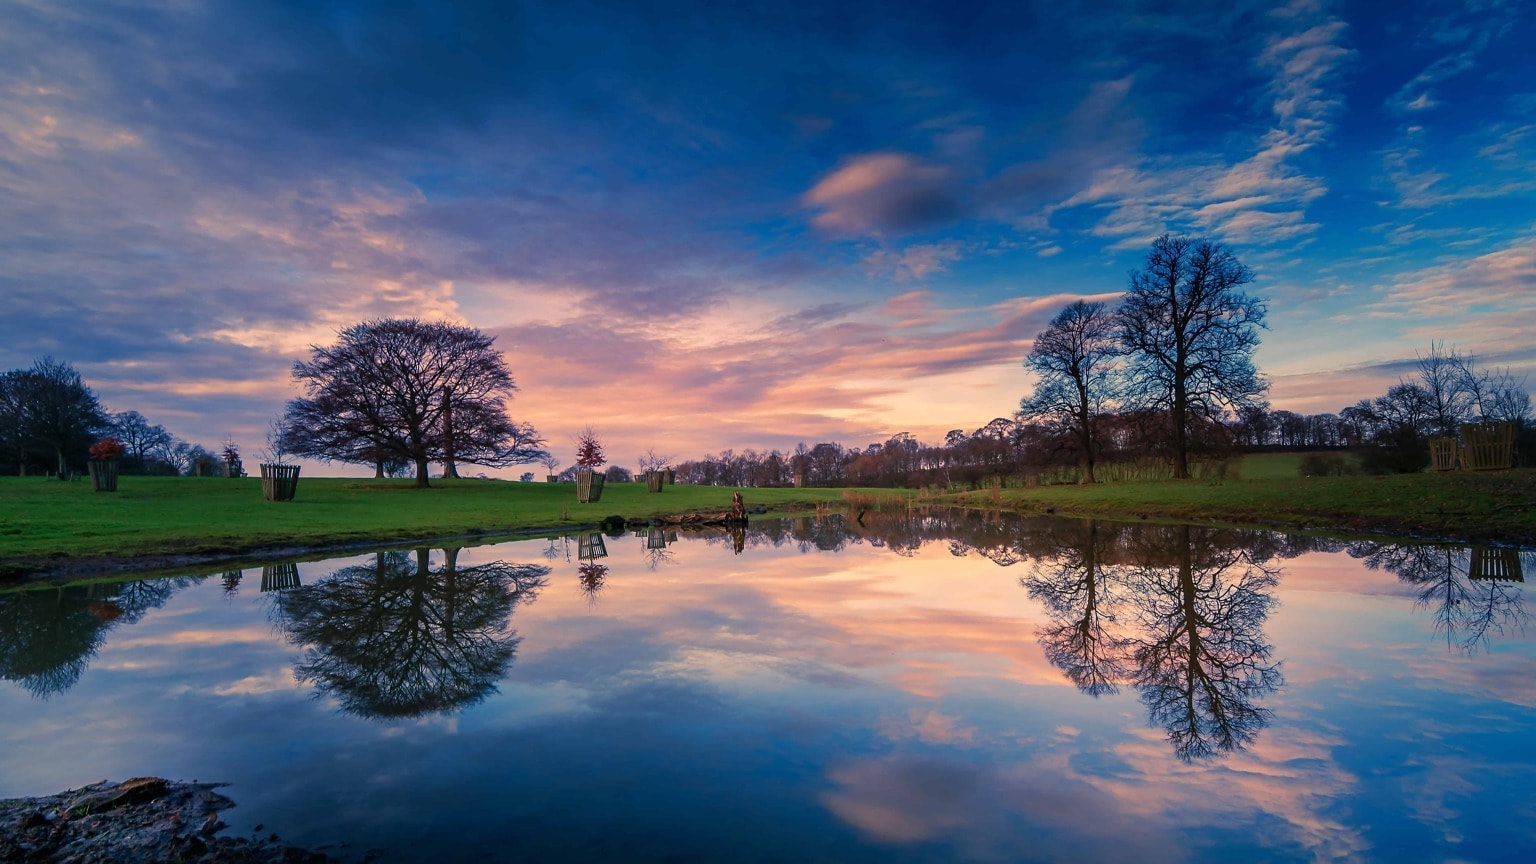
(49, 417)
(1389, 433)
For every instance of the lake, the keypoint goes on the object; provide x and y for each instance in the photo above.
(927, 686)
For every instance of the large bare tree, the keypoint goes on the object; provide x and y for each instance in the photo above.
(1074, 358)
(139, 437)
(400, 388)
(50, 405)
(1190, 334)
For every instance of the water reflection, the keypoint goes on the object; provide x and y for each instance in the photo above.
(398, 638)
(48, 637)
(1177, 612)
(1199, 652)
(1074, 689)
(1471, 595)
(1083, 639)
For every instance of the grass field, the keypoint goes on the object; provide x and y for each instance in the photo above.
(44, 523)
(199, 516)
(1490, 507)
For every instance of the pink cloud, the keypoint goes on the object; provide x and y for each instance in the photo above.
(880, 193)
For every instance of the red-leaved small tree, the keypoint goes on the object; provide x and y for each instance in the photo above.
(106, 448)
(589, 450)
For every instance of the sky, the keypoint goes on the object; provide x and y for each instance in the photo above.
(701, 226)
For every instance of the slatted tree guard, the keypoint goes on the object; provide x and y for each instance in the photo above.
(279, 577)
(1497, 565)
(279, 482)
(1442, 454)
(590, 546)
(589, 486)
(1487, 446)
(654, 480)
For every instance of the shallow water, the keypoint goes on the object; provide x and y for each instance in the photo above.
(922, 688)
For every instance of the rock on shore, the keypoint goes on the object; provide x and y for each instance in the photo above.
(140, 820)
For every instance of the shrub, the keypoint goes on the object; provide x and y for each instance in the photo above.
(1403, 452)
(1324, 465)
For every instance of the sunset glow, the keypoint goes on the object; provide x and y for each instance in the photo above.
(750, 226)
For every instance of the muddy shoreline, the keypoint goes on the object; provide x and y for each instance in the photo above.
(65, 569)
(145, 819)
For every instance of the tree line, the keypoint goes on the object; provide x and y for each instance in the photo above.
(49, 417)
(1166, 377)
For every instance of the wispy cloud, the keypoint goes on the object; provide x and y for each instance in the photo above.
(1258, 199)
(881, 193)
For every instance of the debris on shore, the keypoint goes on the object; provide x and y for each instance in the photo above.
(140, 820)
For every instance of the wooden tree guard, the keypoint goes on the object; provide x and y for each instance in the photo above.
(590, 546)
(103, 474)
(669, 477)
(1501, 565)
(1487, 446)
(279, 577)
(279, 482)
(589, 486)
(656, 539)
(1442, 454)
(653, 481)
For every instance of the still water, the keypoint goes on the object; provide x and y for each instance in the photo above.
(926, 687)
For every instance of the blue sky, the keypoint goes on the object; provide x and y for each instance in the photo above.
(701, 226)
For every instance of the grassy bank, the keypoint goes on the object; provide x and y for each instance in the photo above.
(44, 524)
(43, 519)
(1498, 507)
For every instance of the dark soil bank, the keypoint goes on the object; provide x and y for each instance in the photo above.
(141, 820)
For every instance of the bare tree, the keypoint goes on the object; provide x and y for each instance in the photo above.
(1190, 334)
(139, 436)
(1443, 381)
(61, 412)
(408, 389)
(1074, 357)
(1497, 394)
(649, 461)
(14, 409)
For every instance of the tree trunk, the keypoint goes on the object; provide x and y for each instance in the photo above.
(378, 469)
(450, 470)
(1180, 430)
(63, 469)
(421, 473)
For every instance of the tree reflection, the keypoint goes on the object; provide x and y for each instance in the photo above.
(48, 636)
(1177, 613)
(1076, 593)
(398, 639)
(1468, 611)
(1201, 660)
(592, 576)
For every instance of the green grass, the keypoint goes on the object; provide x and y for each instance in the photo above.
(1492, 507)
(45, 524)
(216, 516)
(1269, 466)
